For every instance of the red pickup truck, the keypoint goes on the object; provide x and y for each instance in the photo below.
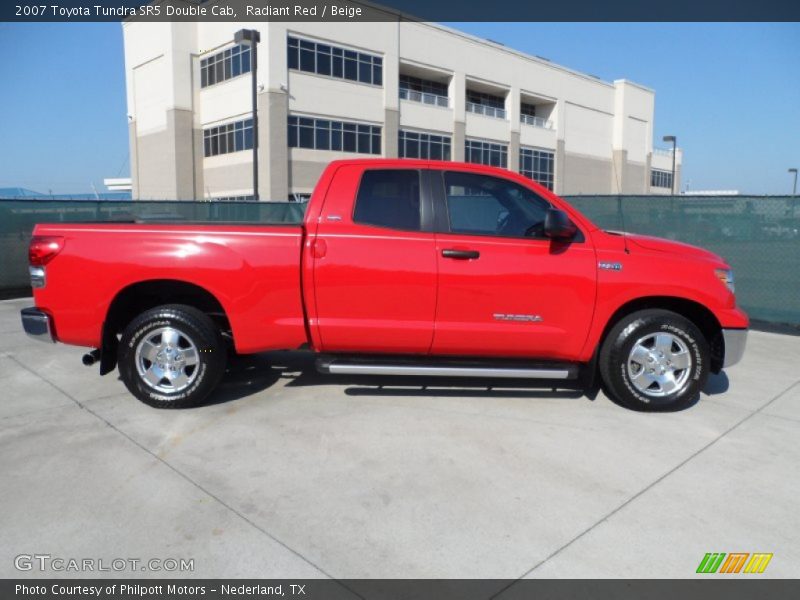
(419, 268)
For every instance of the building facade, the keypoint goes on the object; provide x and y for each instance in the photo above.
(391, 89)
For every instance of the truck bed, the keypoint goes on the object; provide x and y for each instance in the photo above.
(252, 270)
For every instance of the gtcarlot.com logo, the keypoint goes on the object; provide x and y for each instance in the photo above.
(47, 562)
(735, 562)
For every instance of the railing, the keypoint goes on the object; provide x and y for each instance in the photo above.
(539, 122)
(424, 98)
(488, 111)
(663, 151)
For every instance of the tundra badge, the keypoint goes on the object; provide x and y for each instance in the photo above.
(506, 317)
(609, 266)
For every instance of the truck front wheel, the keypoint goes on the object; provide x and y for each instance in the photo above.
(654, 360)
(171, 356)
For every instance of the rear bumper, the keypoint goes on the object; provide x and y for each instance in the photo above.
(37, 324)
(735, 342)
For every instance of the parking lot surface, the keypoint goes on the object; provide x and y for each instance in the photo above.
(291, 474)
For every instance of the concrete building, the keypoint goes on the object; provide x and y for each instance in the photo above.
(400, 88)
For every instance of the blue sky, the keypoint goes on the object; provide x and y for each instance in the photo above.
(62, 101)
(730, 92)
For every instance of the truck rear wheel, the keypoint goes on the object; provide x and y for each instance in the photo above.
(171, 356)
(654, 360)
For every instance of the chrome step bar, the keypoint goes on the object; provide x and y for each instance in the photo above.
(353, 368)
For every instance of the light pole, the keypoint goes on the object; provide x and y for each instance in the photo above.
(674, 140)
(251, 37)
(794, 186)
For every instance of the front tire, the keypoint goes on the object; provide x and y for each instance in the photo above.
(654, 360)
(171, 356)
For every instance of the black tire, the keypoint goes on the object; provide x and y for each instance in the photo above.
(622, 375)
(196, 330)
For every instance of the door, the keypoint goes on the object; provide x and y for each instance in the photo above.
(504, 288)
(375, 263)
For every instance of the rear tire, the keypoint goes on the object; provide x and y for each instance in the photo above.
(172, 356)
(654, 360)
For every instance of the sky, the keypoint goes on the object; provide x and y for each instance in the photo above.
(729, 92)
(63, 115)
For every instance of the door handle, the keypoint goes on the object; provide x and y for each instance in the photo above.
(460, 254)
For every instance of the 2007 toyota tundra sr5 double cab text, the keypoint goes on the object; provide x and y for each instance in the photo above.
(420, 268)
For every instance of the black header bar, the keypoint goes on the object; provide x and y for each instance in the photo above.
(391, 10)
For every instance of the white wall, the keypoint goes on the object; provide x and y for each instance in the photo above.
(663, 162)
(636, 134)
(587, 131)
(489, 128)
(148, 95)
(634, 106)
(425, 117)
(340, 98)
(538, 137)
(225, 101)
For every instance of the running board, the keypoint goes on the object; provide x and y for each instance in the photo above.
(349, 366)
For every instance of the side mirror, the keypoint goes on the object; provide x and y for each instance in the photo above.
(558, 226)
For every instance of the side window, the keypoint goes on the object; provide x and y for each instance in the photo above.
(389, 198)
(486, 205)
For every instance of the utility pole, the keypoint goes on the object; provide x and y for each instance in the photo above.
(251, 37)
(674, 140)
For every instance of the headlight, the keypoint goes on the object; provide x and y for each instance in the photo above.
(726, 277)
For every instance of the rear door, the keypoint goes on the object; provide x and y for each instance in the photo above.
(375, 262)
(504, 288)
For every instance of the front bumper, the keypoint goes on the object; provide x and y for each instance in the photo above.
(735, 342)
(37, 324)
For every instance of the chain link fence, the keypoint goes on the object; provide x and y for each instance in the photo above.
(758, 235)
(18, 217)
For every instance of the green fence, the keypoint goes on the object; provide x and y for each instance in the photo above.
(758, 235)
(17, 218)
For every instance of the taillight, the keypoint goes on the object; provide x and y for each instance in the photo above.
(43, 249)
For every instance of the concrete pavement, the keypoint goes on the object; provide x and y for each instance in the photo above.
(291, 474)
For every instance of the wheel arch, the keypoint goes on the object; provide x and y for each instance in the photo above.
(700, 315)
(140, 296)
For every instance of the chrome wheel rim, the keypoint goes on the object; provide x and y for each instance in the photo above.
(659, 364)
(167, 360)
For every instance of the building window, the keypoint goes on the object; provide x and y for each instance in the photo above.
(661, 179)
(486, 153)
(340, 136)
(527, 109)
(224, 65)
(324, 59)
(486, 99)
(537, 165)
(427, 146)
(231, 137)
(417, 84)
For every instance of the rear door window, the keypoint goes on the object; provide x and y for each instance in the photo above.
(389, 198)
